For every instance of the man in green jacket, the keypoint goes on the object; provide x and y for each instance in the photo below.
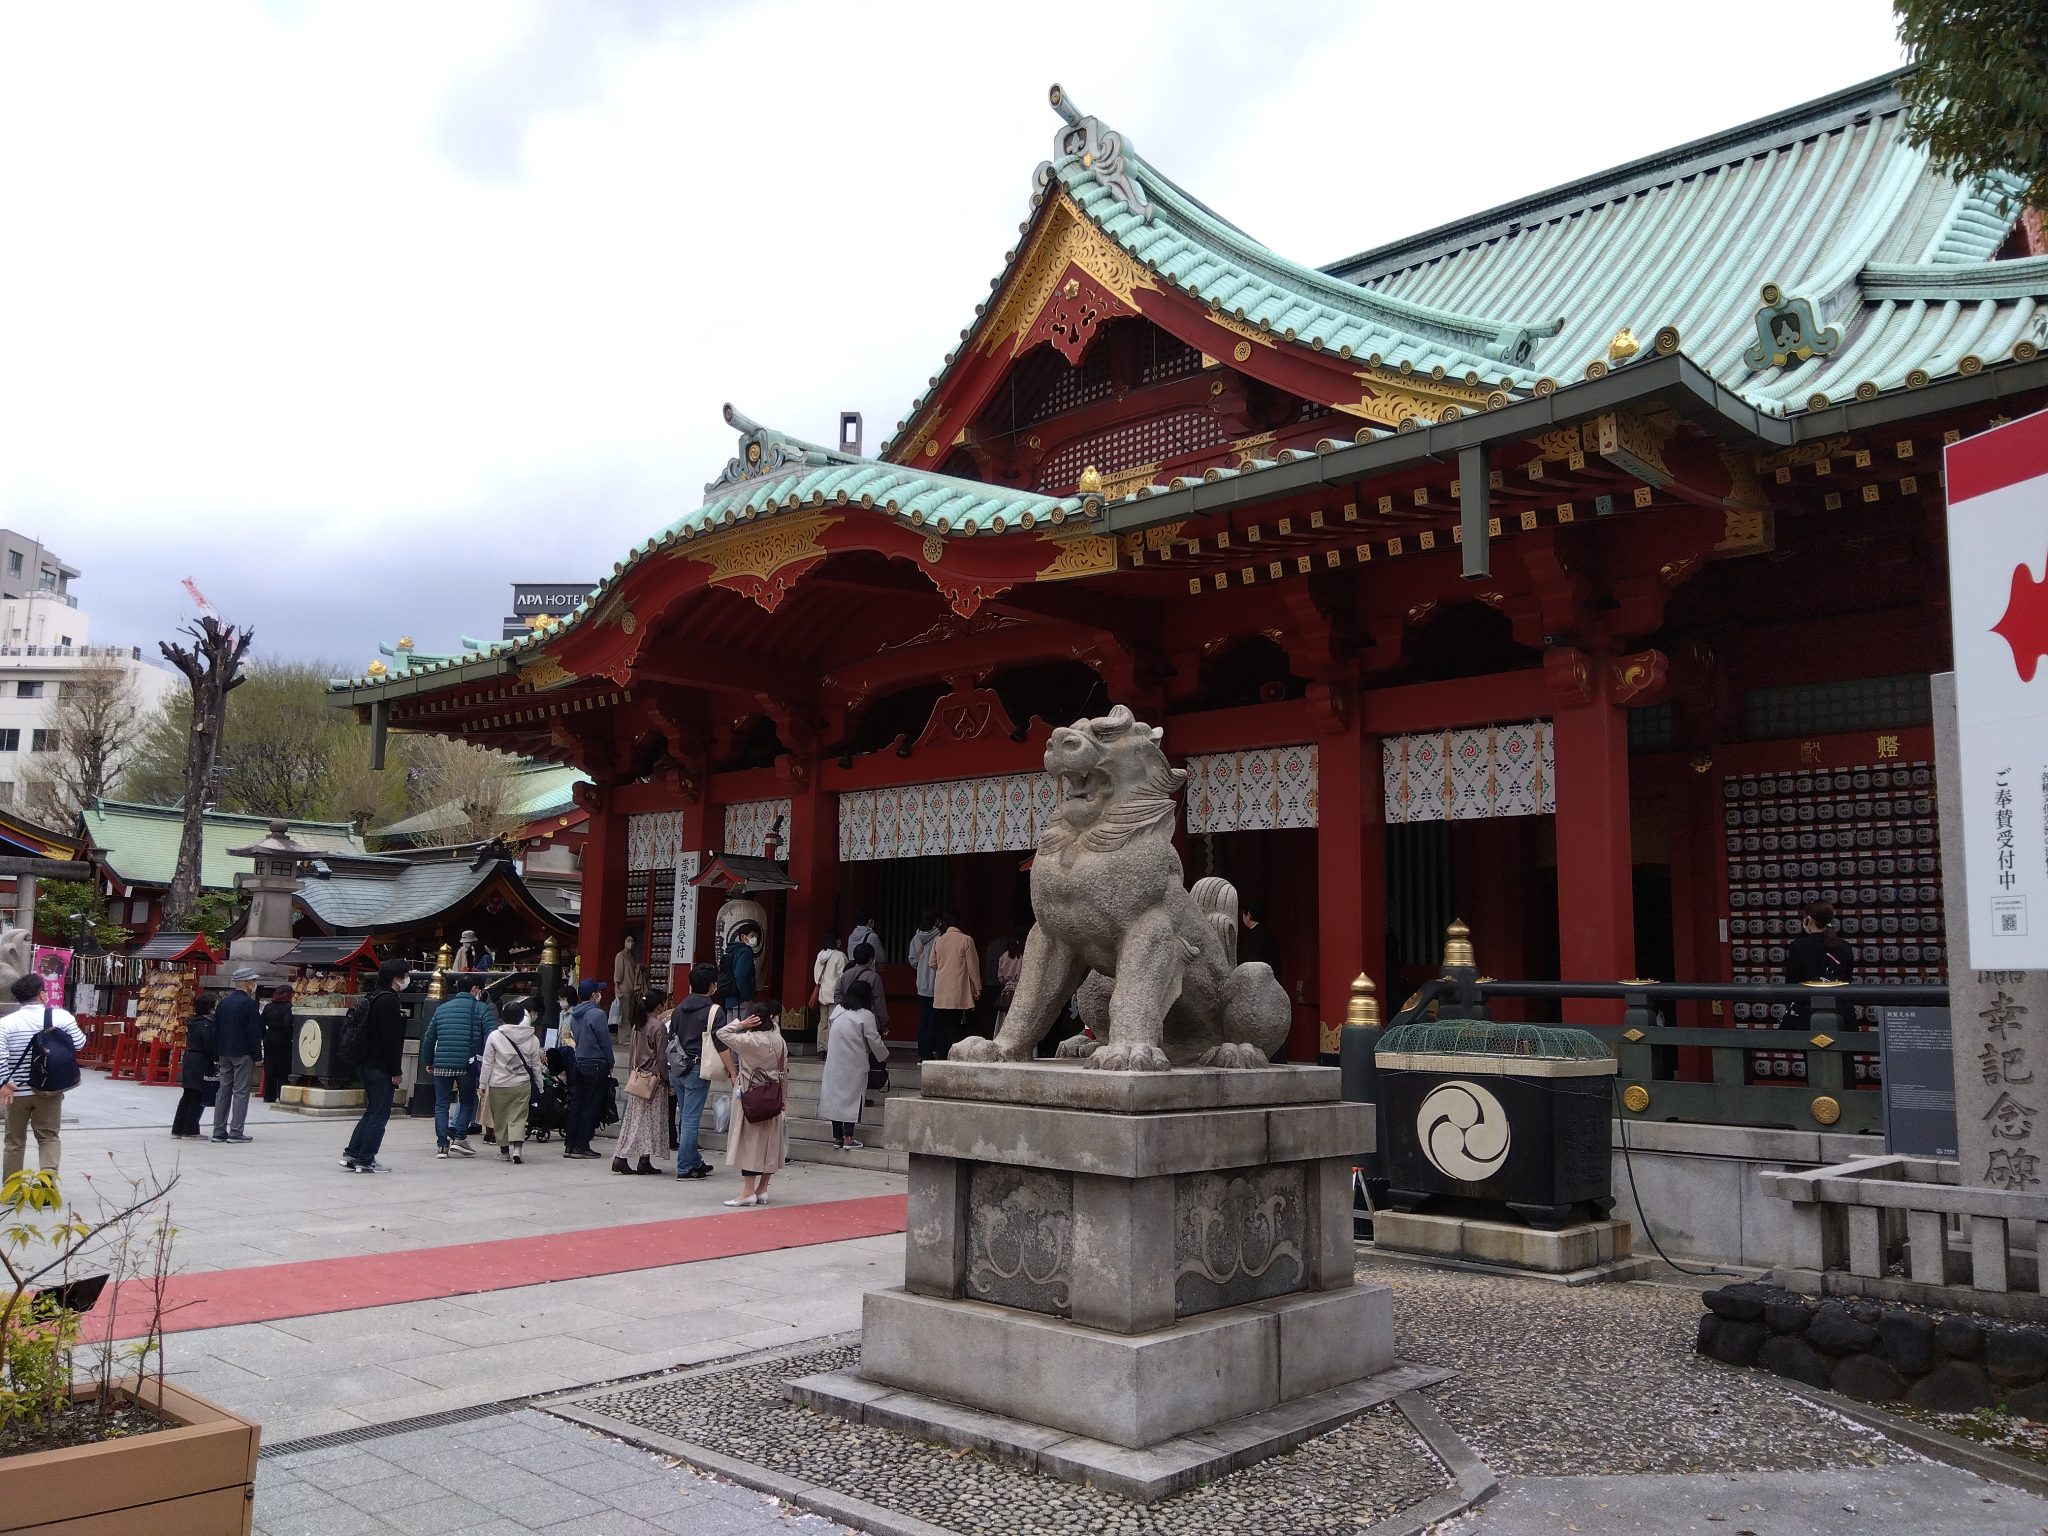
(454, 1039)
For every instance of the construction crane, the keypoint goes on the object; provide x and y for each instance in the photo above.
(199, 598)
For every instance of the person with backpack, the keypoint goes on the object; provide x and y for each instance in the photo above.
(372, 1045)
(237, 1043)
(686, 1029)
(511, 1077)
(197, 1074)
(454, 1039)
(39, 1046)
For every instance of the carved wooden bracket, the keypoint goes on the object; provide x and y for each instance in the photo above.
(966, 714)
(1568, 676)
(1643, 678)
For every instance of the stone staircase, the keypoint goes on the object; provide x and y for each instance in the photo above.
(810, 1138)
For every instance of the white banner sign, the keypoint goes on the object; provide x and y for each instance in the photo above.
(682, 942)
(1998, 601)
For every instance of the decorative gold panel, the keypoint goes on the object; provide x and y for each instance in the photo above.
(1090, 555)
(1064, 238)
(544, 672)
(762, 549)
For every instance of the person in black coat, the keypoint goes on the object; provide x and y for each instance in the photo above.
(277, 1043)
(1817, 953)
(197, 1076)
(382, 1067)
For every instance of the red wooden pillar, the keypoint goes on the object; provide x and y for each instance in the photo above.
(1595, 895)
(813, 856)
(1351, 874)
(602, 924)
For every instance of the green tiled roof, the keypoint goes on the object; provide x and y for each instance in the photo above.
(774, 473)
(139, 843)
(1826, 200)
(538, 789)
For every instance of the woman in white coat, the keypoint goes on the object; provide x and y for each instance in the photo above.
(856, 1044)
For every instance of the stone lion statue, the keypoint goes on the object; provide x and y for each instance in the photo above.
(17, 954)
(1155, 965)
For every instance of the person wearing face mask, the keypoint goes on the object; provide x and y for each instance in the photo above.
(511, 1077)
(382, 1067)
(736, 969)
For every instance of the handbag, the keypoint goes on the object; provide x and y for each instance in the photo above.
(711, 1062)
(878, 1076)
(763, 1101)
(641, 1083)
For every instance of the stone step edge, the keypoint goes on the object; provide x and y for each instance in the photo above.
(2028, 1477)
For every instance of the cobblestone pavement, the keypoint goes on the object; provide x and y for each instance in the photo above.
(1601, 1380)
(511, 1475)
(1340, 1482)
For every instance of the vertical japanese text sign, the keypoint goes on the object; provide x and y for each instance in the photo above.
(1998, 600)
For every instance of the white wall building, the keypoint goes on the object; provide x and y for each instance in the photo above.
(45, 641)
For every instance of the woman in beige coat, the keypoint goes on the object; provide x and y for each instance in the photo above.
(956, 983)
(759, 1055)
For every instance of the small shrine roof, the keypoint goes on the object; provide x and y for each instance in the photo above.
(175, 946)
(138, 844)
(417, 893)
(537, 790)
(1826, 202)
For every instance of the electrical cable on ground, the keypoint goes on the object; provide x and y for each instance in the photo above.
(1628, 1161)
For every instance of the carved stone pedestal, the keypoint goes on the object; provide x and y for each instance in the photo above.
(1139, 1280)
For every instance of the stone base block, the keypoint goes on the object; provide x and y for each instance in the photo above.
(1146, 1475)
(320, 1103)
(1508, 1244)
(1131, 1390)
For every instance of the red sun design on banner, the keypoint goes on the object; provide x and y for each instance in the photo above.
(2025, 625)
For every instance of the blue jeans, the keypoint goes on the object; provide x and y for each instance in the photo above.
(369, 1132)
(691, 1091)
(463, 1090)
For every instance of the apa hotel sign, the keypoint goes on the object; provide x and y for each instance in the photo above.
(1998, 602)
(531, 599)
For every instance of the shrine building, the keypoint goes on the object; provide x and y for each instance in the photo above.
(1576, 569)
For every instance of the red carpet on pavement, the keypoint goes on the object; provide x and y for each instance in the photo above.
(264, 1293)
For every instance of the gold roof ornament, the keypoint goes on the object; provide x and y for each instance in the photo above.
(375, 669)
(1091, 481)
(1458, 946)
(405, 642)
(1624, 346)
(1363, 1011)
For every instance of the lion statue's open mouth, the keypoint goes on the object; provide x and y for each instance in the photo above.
(1154, 965)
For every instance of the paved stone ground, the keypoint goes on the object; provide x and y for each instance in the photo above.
(1368, 1469)
(507, 1476)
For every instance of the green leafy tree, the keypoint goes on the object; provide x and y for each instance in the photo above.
(286, 752)
(58, 902)
(1979, 99)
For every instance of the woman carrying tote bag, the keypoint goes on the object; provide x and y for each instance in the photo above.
(760, 1064)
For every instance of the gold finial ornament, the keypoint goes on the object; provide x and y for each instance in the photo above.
(374, 669)
(1624, 346)
(1363, 1011)
(1458, 946)
(550, 951)
(1635, 1098)
(1825, 1110)
(1091, 481)
(404, 642)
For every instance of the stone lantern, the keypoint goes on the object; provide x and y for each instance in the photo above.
(280, 865)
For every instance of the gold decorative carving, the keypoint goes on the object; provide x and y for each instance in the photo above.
(1242, 352)
(1124, 481)
(1634, 441)
(1397, 399)
(1091, 481)
(1635, 1098)
(934, 549)
(544, 672)
(763, 549)
(1746, 531)
(1089, 555)
(1065, 238)
(1558, 443)
(1825, 1109)
(1237, 327)
(1624, 346)
(1804, 453)
(925, 437)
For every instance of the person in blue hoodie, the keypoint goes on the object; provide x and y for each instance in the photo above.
(237, 1043)
(590, 1069)
(454, 1039)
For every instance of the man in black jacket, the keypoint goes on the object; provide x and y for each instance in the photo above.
(382, 1067)
(237, 1042)
(686, 1068)
(590, 1069)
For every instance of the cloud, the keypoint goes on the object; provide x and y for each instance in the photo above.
(358, 311)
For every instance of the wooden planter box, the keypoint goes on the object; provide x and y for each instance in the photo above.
(196, 1479)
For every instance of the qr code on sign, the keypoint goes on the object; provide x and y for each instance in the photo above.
(2008, 922)
(2009, 916)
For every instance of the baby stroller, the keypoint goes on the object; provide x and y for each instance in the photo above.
(548, 1110)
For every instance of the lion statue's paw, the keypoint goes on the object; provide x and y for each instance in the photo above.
(1130, 1058)
(1076, 1046)
(1234, 1053)
(975, 1048)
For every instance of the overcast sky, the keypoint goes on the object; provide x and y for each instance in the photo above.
(359, 312)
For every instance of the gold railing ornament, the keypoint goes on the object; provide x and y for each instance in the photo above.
(1635, 1098)
(444, 958)
(1458, 946)
(550, 951)
(1363, 1011)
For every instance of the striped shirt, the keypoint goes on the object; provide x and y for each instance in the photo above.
(21, 1027)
